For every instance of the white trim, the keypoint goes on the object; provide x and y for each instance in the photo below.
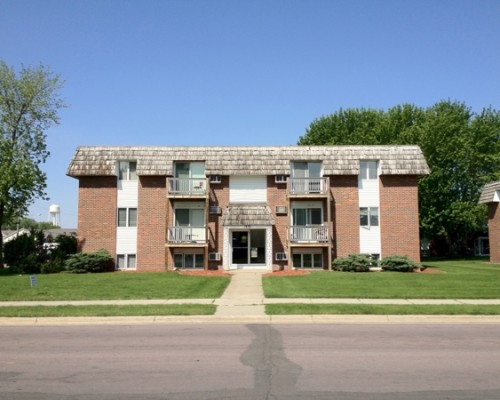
(227, 249)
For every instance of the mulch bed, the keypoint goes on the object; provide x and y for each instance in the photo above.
(280, 273)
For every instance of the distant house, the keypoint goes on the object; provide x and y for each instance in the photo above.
(50, 235)
(9, 235)
(270, 207)
(491, 197)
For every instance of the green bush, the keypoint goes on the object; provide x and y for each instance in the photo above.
(82, 263)
(52, 266)
(25, 253)
(398, 264)
(353, 263)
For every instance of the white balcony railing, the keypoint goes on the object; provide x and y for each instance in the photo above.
(308, 185)
(187, 186)
(186, 234)
(309, 234)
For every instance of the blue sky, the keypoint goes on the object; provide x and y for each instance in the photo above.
(234, 72)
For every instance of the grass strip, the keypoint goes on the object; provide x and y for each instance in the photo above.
(381, 309)
(107, 310)
(111, 286)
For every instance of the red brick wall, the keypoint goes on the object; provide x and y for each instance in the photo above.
(494, 231)
(218, 196)
(276, 196)
(97, 213)
(345, 215)
(151, 223)
(399, 227)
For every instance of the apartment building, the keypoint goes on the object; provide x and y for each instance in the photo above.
(272, 207)
(491, 197)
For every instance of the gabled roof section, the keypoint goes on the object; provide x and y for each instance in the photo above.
(247, 160)
(247, 215)
(490, 193)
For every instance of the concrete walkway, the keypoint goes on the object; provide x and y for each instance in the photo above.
(243, 296)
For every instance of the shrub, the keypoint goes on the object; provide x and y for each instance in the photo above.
(353, 263)
(398, 264)
(52, 266)
(25, 253)
(81, 263)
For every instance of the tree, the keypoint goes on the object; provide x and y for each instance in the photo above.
(462, 149)
(29, 105)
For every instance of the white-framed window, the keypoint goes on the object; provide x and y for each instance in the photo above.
(306, 169)
(189, 214)
(307, 260)
(307, 216)
(189, 260)
(127, 170)
(125, 261)
(127, 217)
(368, 169)
(368, 216)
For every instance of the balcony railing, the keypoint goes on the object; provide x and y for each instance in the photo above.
(187, 186)
(186, 234)
(309, 234)
(308, 185)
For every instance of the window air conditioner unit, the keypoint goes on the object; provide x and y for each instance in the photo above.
(215, 210)
(215, 179)
(214, 256)
(280, 179)
(281, 210)
(280, 256)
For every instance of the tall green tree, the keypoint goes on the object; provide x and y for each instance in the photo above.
(29, 105)
(461, 147)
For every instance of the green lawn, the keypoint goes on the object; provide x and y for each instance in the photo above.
(111, 286)
(107, 310)
(381, 309)
(459, 279)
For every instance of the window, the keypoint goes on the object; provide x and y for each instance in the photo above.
(307, 260)
(307, 216)
(125, 261)
(368, 216)
(368, 169)
(190, 217)
(304, 169)
(127, 170)
(306, 177)
(127, 217)
(188, 260)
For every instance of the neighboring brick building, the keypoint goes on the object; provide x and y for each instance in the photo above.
(157, 208)
(491, 197)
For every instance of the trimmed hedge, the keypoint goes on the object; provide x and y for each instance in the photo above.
(82, 263)
(398, 264)
(353, 263)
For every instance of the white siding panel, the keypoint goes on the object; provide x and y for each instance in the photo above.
(248, 189)
(128, 193)
(369, 193)
(126, 240)
(369, 240)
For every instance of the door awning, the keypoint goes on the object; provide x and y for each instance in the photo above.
(247, 215)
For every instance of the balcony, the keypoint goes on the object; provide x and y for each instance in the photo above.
(187, 187)
(187, 234)
(309, 234)
(309, 186)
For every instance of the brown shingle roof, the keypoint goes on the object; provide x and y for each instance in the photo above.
(247, 160)
(247, 215)
(489, 191)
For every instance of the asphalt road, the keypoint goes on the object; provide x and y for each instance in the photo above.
(259, 361)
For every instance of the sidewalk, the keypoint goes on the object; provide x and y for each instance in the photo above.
(243, 301)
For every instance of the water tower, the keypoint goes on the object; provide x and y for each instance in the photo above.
(54, 214)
